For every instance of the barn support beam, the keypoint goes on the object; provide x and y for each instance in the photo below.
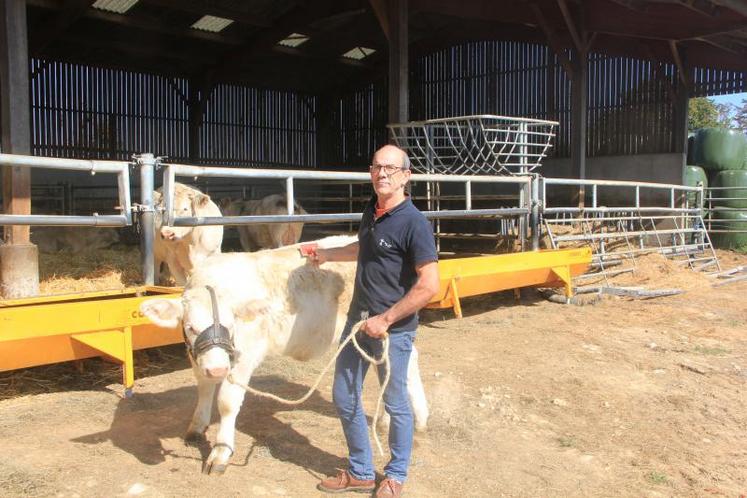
(681, 100)
(397, 12)
(199, 94)
(579, 103)
(326, 140)
(19, 260)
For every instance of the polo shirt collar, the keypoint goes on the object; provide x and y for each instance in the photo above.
(399, 207)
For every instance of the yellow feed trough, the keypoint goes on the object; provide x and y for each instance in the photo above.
(52, 329)
(464, 277)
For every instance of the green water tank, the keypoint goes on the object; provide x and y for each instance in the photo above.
(730, 220)
(736, 181)
(720, 149)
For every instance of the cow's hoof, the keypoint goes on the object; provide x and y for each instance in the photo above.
(217, 462)
(215, 469)
(192, 437)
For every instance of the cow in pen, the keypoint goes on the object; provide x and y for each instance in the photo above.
(183, 248)
(238, 308)
(265, 235)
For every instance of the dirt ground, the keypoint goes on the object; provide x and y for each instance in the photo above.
(618, 398)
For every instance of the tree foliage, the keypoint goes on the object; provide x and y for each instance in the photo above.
(740, 116)
(705, 113)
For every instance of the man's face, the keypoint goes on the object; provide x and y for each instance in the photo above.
(387, 175)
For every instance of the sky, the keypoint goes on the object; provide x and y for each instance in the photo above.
(735, 98)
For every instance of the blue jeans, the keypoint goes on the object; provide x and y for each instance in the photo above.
(350, 370)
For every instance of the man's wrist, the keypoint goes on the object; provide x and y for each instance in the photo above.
(388, 319)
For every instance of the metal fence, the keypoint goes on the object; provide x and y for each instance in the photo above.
(118, 168)
(621, 220)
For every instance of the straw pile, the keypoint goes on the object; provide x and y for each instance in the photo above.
(655, 271)
(103, 269)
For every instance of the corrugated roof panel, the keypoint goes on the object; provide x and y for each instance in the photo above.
(212, 23)
(358, 53)
(118, 6)
(294, 40)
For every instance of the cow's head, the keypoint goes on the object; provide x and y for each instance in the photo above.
(186, 203)
(208, 325)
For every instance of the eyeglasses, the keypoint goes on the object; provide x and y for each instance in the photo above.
(389, 169)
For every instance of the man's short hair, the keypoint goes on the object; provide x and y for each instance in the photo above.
(406, 161)
(405, 158)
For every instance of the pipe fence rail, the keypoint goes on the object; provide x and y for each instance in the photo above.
(119, 168)
(644, 217)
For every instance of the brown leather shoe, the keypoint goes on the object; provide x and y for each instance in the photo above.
(389, 488)
(344, 482)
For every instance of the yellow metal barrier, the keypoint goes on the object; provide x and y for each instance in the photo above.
(44, 330)
(52, 329)
(463, 277)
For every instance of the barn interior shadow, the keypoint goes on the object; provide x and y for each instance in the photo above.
(141, 423)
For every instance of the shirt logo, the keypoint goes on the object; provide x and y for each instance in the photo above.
(384, 243)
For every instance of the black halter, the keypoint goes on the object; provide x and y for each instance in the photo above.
(215, 335)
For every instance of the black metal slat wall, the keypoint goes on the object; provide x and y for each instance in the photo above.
(630, 101)
(87, 112)
(250, 127)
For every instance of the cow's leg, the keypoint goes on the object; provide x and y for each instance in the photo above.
(204, 408)
(230, 398)
(177, 271)
(416, 393)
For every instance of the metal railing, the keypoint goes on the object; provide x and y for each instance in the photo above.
(671, 223)
(172, 171)
(119, 168)
(721, 203)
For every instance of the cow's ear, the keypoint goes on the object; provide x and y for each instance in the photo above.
(200, 201)
(163, 312)
(249, 310)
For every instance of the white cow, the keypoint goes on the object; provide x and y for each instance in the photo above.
(270, 303)
(183, 248)
(73, 239)
(266, 235)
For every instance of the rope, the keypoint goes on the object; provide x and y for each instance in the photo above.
(351, 337)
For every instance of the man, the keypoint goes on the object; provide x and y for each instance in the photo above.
(397, 275)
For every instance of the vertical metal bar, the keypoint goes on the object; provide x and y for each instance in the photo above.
(523, 159)
(524, 197)
(594, 195)
(147, 164)
(289, 194)
(350, 205)
(534, 220)
(637, 196)
(168, 196)
(468, 194)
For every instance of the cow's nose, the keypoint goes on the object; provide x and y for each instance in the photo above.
(216, 373)
(167, 234)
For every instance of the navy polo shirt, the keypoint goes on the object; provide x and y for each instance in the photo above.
(390, 248)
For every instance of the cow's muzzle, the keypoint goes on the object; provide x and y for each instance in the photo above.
(215, 336)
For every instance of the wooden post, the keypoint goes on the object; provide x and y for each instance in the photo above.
(398, 60)
(578, 118)
(19, 259)
(16, 115)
